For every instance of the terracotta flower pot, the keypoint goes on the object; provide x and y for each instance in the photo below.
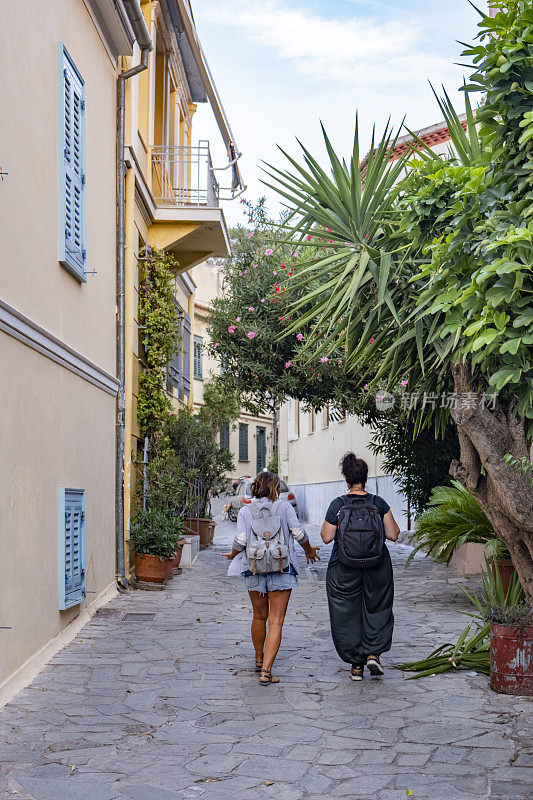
(212, 532)
(511, 660)
(175, 562)
(201, 526)
(506, 569)
(152, 569)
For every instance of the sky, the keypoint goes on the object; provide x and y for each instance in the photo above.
(283, 66)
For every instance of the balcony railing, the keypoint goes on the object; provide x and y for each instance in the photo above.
(183, 176)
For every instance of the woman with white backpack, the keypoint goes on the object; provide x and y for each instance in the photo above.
(264, 550)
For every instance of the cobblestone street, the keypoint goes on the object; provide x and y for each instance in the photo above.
(167, 706)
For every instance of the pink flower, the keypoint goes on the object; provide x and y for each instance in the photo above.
(299, 336)
(251, 334)
(283, 266)
(312, 369)
(289, 273)
(246, 272)
(217, 344)
(404, 383)
(308, 237)
(254, 266)
(268, 251)
(240, 274)
(262, 299)
(365, 387)
(288, 364)
(295, 254)
(324, 359)
(327, 229)
(250, 235)
(371, 340)
(251, 308)
(237, 319)
(231, 329)
(274, 273)
(330, 241)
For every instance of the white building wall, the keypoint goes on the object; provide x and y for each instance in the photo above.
(310, 450)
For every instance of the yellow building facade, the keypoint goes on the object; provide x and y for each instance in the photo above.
(58, 378)
(171, 199)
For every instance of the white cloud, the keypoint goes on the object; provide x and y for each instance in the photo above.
(355, 50)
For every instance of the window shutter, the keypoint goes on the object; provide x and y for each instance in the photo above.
(186, 354)
(72, 189)
(224, 437)
(243, 442)
(71, 547)
(198, 351)
(174, 368)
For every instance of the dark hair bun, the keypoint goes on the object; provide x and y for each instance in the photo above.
(354, 470)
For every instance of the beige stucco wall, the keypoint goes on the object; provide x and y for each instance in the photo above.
(57, 430)
(314, 457)
(31, 278)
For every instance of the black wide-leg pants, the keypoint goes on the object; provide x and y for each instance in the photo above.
(360, 609)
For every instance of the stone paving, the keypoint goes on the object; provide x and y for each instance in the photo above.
(168, 707)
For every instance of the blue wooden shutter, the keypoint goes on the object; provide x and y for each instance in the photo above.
(72, 189)
(71, 547)
(224, 437)
(243, 442)
(198, 366)
(186, 354)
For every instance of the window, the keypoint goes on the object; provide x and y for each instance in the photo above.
(71, 547)
(224, 437)
(261, 449)
(179, 369)
(311, 422)
(325, 416)
(243, 442)
(71, 163)
(186, 355)
(197, 362)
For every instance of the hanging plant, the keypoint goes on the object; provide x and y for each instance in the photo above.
(159, 325)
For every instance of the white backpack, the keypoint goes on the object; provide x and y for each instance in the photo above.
(266, 550)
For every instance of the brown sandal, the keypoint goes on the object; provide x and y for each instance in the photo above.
(266, 677)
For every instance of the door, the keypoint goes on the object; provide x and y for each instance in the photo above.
(261, 449)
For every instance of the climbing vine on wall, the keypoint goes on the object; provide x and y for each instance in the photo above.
(159, 329)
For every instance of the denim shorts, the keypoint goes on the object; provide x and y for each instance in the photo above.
(270, 582)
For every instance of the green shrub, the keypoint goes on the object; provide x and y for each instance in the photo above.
(156, 532)
(452, 519)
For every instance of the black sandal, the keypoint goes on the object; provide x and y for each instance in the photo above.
(267, 678)
(258, 665)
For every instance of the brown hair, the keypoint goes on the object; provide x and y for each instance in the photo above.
(266, 484)
(354, 469)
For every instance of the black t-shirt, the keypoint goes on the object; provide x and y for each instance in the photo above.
(334, 508)
(336, 505)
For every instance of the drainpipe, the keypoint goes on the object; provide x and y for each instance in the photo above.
(142, 35)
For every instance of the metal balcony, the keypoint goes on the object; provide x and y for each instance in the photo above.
(183, 176)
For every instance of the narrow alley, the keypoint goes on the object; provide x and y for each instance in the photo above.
(156, 699)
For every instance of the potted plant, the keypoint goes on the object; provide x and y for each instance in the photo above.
(453, 519)
(511, 635)
(205, 466)
(154, 535)
(511, 649)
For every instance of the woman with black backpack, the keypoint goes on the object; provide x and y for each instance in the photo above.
(359, 580)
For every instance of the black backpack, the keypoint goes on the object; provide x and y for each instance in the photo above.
(360, 532)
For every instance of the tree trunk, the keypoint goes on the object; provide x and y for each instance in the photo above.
(485, 437)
